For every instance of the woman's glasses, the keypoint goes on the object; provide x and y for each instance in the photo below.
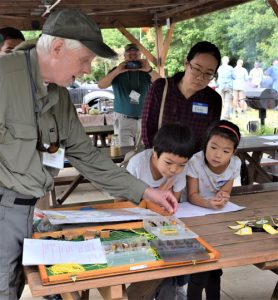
(197, 72)
(54, 146)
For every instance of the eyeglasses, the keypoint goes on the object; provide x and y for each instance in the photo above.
(54, 146)
(197, 72)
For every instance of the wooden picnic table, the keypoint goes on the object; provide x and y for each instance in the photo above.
(251, 149)
(98, 125)
(259, 249)
(74, 181)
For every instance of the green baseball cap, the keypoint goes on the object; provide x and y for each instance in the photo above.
(73, 24)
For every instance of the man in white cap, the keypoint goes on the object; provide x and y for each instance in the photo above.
(39, 126)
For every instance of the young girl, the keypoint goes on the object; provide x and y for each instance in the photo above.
(210, 178)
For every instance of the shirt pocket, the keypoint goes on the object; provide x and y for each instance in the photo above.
(19, 147)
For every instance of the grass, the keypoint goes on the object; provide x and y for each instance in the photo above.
(271, 122)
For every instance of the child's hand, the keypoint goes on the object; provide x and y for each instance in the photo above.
(224, 196)
(216, 203)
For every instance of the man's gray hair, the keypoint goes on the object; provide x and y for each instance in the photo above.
(45, 40)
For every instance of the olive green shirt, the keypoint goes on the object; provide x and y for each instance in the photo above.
(21, 167)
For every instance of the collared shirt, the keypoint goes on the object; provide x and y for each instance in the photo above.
(225, 77)
(179, 109)
(123, 84)
(21, 167)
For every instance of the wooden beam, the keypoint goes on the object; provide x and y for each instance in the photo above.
(274, 5)
(159, 47)
(167, 42)
(131, 38)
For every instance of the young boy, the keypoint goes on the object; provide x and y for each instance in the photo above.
(163, 167)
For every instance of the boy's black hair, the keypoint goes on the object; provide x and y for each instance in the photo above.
(224, 129)
(175, 139)
(11, 33)
(205, 47)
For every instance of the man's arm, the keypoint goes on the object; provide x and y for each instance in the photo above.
(106, 81)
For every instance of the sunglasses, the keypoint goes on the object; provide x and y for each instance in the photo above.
(54, 146)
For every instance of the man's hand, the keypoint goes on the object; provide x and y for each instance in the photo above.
(164, 199)
(145, 65)
(121, 67)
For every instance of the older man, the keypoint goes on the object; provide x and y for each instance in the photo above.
(11, 37)
(130, 80)
(39, 126)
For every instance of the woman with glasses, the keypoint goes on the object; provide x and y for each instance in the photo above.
(189, 99)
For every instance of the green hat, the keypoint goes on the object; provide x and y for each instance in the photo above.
(74, 24)
(129, 47)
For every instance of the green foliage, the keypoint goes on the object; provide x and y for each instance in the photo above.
(248, 31)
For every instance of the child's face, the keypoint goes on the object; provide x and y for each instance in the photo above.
(169, 164)
(219, 152)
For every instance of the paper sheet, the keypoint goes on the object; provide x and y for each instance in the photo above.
(49, 252)
(97, 216)
(187, 210)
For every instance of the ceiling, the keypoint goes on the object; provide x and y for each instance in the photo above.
(31, 14)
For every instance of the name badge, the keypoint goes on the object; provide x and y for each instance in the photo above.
(54, 160)
(200, 108)
(134, 97)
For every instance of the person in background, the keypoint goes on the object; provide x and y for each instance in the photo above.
(11, 37)
(225, 86)
(273, 73)
(210, 176)
(256, 75)
(130, 80)
(239, 84)
(163, 166)
(189, 100)
(39, 127)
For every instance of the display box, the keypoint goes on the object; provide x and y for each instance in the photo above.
(129, 248)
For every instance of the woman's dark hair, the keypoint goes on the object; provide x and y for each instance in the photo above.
(175, 139)
(225, 129)
(205, 47)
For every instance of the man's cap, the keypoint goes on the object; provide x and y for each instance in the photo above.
(73, 24)
(130, 47)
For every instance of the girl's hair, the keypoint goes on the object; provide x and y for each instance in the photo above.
(175, 139)
(225, 129)
(205, 47)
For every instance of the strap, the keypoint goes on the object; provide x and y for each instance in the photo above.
(131, 153)
(162, 103)
(33, 85)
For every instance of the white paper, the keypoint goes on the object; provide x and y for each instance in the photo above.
(187, 210)
(271, 143)
(49, 252)
(97, 216)
(54, 160)
(269, 137)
